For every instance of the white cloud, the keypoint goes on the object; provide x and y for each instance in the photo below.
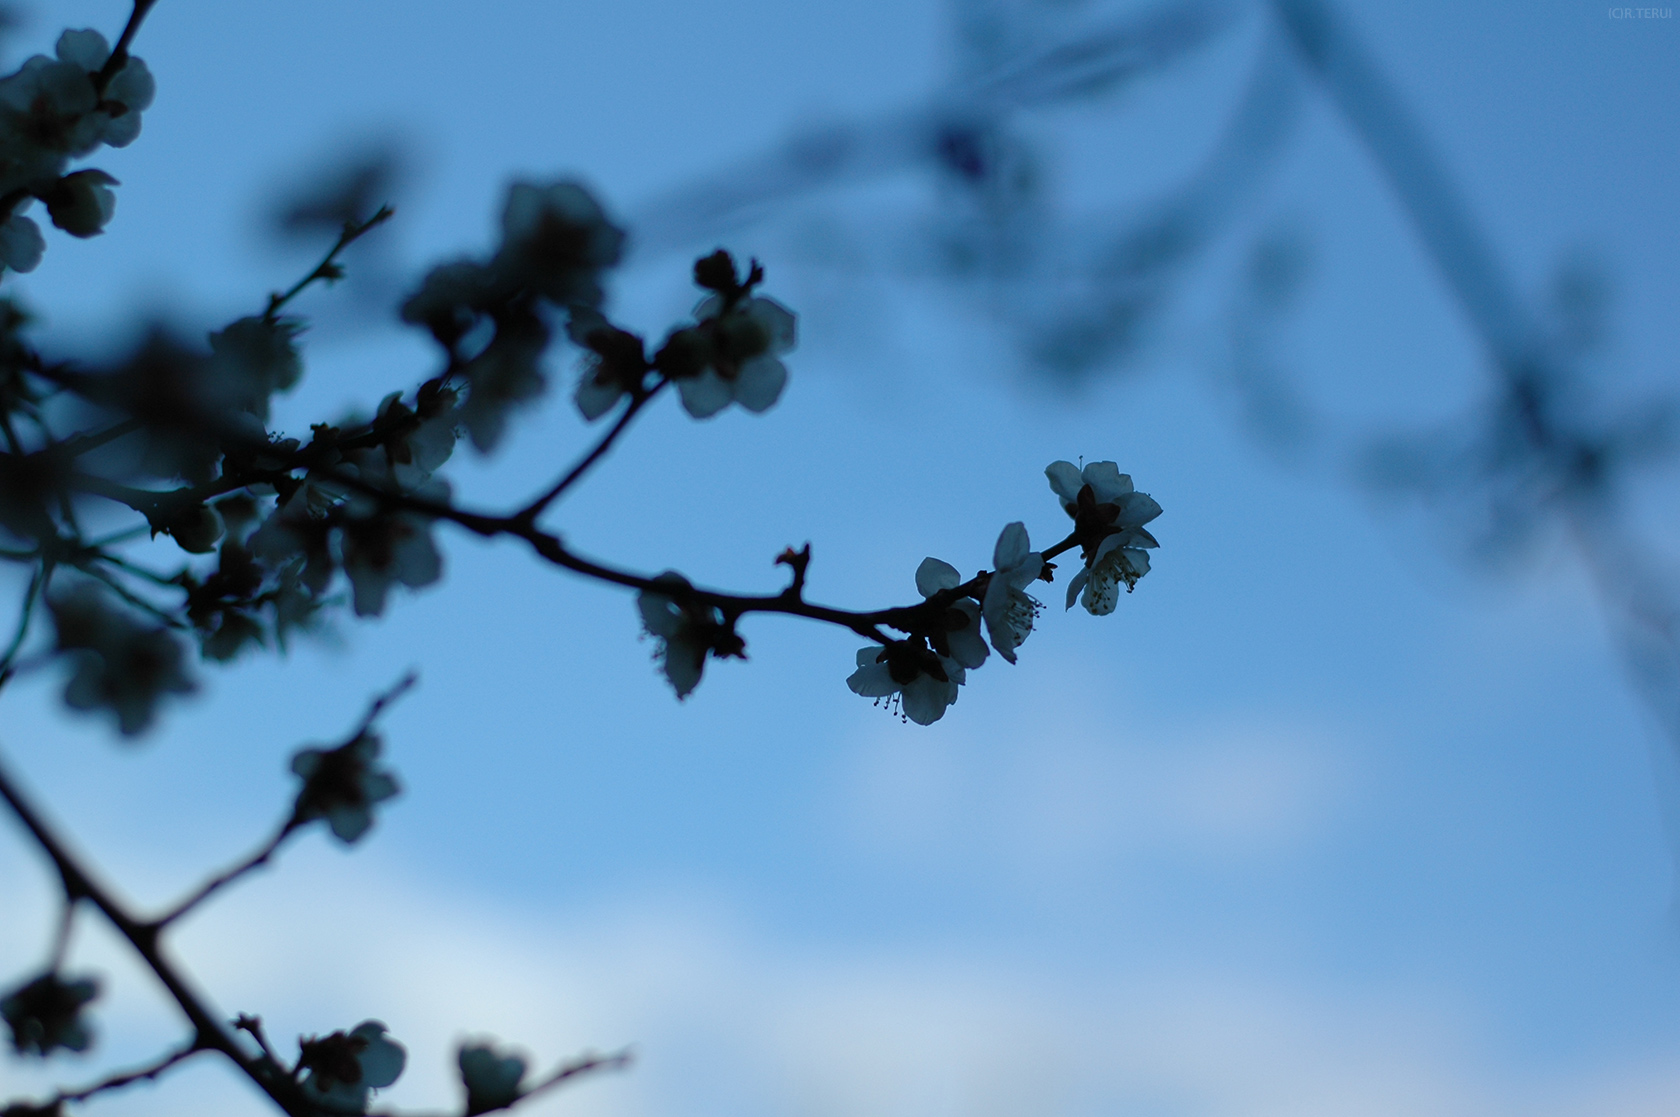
(1082, 784)
(727, 1020)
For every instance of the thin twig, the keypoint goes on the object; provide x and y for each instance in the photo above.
(1398, 145)
(401, 687)
(168, 619)
(253, 1026)
(587, 1064)
(134, 568)
(292, 824)
(119, 55)
(37, 585)
(61, 938)
(146, 1073)
(79, 444)
(534, 509)
(567, 1072)
(122, 536)
(328, 268)
(221, 880)
(11, 434)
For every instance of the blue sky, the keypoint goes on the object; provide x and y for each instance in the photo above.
(1319, 821)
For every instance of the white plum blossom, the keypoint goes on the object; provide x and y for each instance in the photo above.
(505, 375)
(51, 110)
(925, 682)
(492, 1080)
(1108, 517)
(556, 239)
(961, 635)
(342, 785)
(1007, 608)
(120, 664)
(251, 359)
(687, 632)
(733, 355)
(615, 365)
(420, 438)
(384, 547)
(344, 1069)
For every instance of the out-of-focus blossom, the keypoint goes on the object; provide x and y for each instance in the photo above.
(556, 240)
(46, 1014)
(616, 365)
(251, 359)
(731, 355)
(344, 1069)
(120, 665)
(492, 1080)
(82, 203)
(342, 786)
(506, 375)
(21, 244)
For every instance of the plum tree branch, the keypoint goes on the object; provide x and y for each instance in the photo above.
(79, 883)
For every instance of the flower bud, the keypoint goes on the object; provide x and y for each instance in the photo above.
(81, 203)
(716, 273)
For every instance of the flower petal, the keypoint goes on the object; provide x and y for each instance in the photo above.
(1075, 584)
(1136, 509)
(685, 660)
(926, 698)
(934, 575)
(1107, 483)
(760, 382)
(382, 1059)
(21, 244)
(1102, 592)
(778, 322)
(705, 395)
(1065, 480)
(85, 48)
(595, 397)
(1109, 545)
(872, 680)
(1012, 546)
(953, 671)
(968, 647)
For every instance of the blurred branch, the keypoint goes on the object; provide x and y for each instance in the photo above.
(328, 269)
(78, 883)
(1094, 60)
(148, 1073)
(221, 880)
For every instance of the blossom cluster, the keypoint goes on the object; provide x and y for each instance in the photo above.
(730, 353)
(959, 623)
(54, 110)
(488, 315)
(920, 675)
(342, 785)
